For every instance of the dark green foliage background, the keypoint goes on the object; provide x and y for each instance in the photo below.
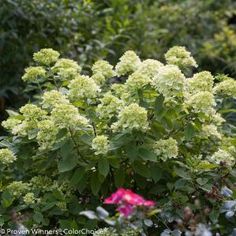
(88, 30)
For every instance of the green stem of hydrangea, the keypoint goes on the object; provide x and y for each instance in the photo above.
(76, 145)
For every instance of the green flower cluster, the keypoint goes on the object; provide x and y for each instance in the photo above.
(179, 56)
(100, 144)
(222, 157)
(29, 199)
(128, 63)
(33, 73)
(83, 87)
(202, 81)
(6, 156)
(149, 68)
(226, 88)
(46, 56)
(137, 81)
(166, 148)
(18, 188)
(110, 105)
(47, 134)
(66, 69)
(132, 117)
(202, 102)
(169, 81)
(67, 116)
(102, 70)
(52, 98)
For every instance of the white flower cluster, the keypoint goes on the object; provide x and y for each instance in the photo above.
(46, 56)
(202, 81)
(132, 117)
(149, 68)
(226, 88)
(166, 149)
(100, 144)
(66, 69)
(222, 157)
(18, 188)
(102, 70)
(202, 102)
(169, 81)
(109, 106)
(33, 73)
(180, 56)
(67, 116)
(29, 199)
(209, 131)
(52, 98)
(128, 63)
(83, 87)
(6, 156)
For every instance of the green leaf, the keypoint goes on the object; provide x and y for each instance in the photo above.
(119, 176)
(68, 224)
(132, 153)
(156, 173)
(147, 155)
(103, 167)
(182, 173)
(189, 131)
(77, 176)
(68, 157)
(7, 199)
(95, 183)
(67, 164)
(141, 169)
(202, 181)
(38, 217)
(120, 140)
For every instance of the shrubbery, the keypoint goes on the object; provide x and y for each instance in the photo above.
(152, 127)
(148, 27)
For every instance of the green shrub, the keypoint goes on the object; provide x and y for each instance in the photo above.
(143, 125)
(91, 30)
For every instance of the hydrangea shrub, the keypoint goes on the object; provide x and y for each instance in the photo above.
(156, 128)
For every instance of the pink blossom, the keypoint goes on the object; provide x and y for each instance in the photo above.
(126, 196)
(116, 197)
(149, 203)
(127, 200)
(126, 210)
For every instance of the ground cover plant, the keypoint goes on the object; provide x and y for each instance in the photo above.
(154, 128)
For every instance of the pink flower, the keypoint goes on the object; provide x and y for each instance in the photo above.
(116, 197)
(127, 200)
(149, 203)
(133, 198)
(126, 210)
(127, 196)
